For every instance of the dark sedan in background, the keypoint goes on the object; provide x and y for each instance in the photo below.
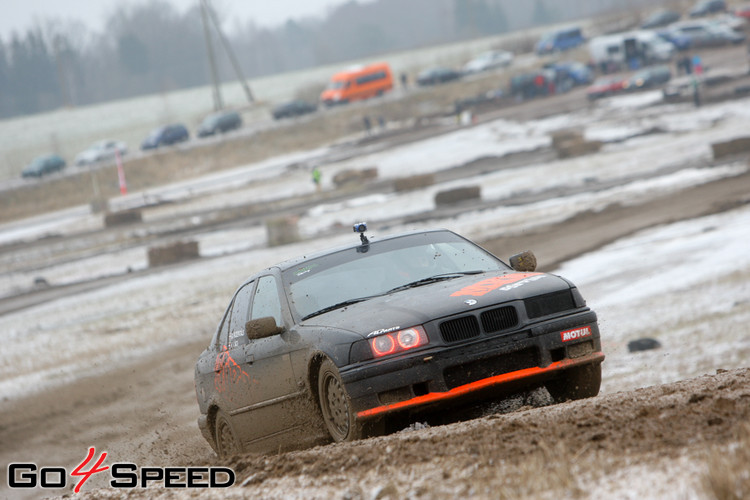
(648, 78)
(345, 343)
(296, 107)
(43, 165)
(218, 123)
(435, 76)
(165, 136)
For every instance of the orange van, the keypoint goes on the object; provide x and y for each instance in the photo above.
(360, 82)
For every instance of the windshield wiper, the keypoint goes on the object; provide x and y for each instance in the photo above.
(336, 306)
(433, 279)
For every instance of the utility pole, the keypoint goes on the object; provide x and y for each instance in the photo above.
(218, 104)
(229, 51)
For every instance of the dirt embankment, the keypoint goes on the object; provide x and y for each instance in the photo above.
(559, 449)
(571, 450)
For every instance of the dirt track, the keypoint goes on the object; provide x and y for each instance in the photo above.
(537, 452)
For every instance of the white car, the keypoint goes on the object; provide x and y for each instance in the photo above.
(489, 60)
(99, 151)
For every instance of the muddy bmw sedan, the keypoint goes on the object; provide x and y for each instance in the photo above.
(340, 344)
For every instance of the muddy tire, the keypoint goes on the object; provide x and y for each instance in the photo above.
(576, 383)
(335, 405)
(227, 443)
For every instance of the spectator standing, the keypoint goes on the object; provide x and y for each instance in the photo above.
(316, 178)
(367, 123)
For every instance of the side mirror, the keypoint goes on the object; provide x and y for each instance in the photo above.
(524, 262)
(261, 328)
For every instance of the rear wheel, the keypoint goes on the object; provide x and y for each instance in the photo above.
(227, 443)
(576, 383)
(335, 405)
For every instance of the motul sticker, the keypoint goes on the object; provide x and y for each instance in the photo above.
(505, 282)
(578, 333)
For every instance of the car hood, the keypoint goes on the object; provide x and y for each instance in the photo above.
(419, 305)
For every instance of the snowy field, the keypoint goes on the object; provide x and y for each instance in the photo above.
(673, 283)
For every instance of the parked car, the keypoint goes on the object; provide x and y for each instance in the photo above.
(708, 34)
(707, 7)
(218, 123)
(661, 18)
(486, 61)
(43, 165)
(347, 341)
(100, 151)
(605, 86)
(560, 40)
(296, 107)
(533, 84)
(165, 136)
(570, 74)
(680, 41)
(435, 76)
(648, 78)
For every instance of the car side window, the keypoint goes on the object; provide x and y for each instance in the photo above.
(266, 302)
(240, 310)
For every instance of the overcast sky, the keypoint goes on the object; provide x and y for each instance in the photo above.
(19, 15)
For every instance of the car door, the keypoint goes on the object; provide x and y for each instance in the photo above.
(273, 391)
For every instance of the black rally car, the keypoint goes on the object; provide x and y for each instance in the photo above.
(342, 341)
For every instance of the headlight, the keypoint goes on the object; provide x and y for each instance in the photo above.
(399, 341)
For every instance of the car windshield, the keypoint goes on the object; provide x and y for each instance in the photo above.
(386, 266)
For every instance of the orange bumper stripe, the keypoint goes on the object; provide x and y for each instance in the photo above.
(463, 390)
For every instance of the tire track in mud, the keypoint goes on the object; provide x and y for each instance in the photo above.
(553, 451)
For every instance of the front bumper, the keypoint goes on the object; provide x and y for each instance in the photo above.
(482, 369)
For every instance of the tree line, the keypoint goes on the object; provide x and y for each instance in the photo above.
(151, 47)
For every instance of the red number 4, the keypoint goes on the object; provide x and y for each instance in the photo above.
(85, 474)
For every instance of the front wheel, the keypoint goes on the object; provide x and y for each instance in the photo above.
(227, 443)
(335, 405)
(576, 383)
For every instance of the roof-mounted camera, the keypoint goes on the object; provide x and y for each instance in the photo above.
(361, 227)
